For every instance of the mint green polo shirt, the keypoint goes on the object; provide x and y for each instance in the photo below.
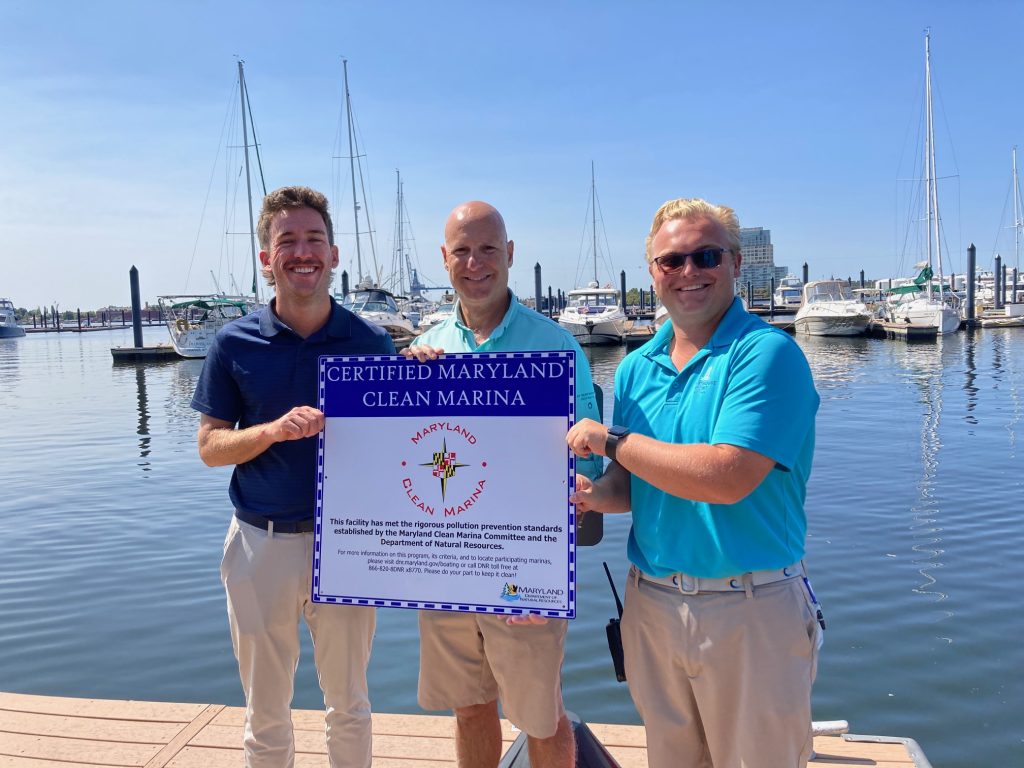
(749, 386)
(523, 330)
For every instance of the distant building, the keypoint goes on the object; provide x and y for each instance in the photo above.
(758, 266)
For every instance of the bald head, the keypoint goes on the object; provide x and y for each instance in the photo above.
(472, 214)
(477, 254)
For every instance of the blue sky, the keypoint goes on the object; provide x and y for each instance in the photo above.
(802, 116)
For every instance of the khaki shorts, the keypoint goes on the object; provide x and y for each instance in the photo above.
(468, 659)
(721, 678)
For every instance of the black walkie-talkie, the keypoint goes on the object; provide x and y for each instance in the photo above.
(614, 632)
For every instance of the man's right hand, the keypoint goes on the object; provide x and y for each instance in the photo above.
(422, 353)
(301, 421)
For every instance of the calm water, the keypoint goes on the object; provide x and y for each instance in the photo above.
(113, 528)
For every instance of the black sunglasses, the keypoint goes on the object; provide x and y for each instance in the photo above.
(705, 258)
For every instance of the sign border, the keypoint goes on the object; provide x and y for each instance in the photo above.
(567, 356)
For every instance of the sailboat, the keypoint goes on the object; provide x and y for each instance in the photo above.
(369, 300)
(1012, 315)
(594, 315)
(407, 284)
(193, 320)
(938, 307)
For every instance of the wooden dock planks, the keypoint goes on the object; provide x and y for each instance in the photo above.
(57, 732)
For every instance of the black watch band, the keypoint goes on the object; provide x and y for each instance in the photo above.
(611, 441)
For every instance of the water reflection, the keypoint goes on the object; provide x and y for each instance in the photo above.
(970, 374)
(921, 365)
(10, 352)
(143, 428)
(179, 395)
(1005, 375)
(836, 362)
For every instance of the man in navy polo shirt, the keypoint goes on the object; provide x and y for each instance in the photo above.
(711, 450)
(257, 395)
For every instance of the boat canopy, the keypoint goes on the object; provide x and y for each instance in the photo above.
(210, 304)
(370, 300)
(917, 285)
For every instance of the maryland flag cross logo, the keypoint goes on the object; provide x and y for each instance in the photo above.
(444, 466)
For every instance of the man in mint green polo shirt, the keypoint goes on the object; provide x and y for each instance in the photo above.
(469, 662)
(711, 450)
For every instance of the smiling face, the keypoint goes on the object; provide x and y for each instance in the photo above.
(477, 254)
(696, 299)
(300, 256)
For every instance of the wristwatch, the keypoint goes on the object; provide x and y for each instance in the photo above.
(611, 441)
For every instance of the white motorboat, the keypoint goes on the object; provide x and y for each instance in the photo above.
(441, 313)
(594, 315)
(829, 309)
(9, 327)
(788, 293)
(377, 306)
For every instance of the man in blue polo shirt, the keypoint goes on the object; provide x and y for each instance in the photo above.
(469, 662)
(711, 450)
(257, 395)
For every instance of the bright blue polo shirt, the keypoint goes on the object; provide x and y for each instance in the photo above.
(523, 330)
(749, 386)
(256, 371)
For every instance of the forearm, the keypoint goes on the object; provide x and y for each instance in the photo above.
(220, 447)
(610, 492)
(717, 474)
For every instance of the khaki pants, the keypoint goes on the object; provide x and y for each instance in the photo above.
(468, 659)
(267, 580)
(722, 679)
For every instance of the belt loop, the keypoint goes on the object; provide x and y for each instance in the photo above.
(270, 529)
(635, 573)
(748, 585)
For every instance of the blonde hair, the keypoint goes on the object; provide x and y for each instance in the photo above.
(692, 208)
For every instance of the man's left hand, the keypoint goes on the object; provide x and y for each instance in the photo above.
(526, 618)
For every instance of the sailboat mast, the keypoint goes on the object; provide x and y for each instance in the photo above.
(593, 217)
(1017, 223)
(352, 173)
(248, 182)
(399, 244)
(934, 251)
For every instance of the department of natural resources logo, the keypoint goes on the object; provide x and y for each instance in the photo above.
(510, 592)
(445, 478)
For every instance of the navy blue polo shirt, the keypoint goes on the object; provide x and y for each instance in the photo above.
(256, 371)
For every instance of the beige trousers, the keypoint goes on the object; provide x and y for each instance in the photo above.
(267, 580)
(722, 679)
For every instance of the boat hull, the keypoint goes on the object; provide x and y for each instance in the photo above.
(192, 341)
(592, 334)
(832, 325)
(924, 312)
(11, 332)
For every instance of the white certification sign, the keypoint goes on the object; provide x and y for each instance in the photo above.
(445, 485)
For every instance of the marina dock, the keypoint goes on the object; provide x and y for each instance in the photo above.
(50, 731)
